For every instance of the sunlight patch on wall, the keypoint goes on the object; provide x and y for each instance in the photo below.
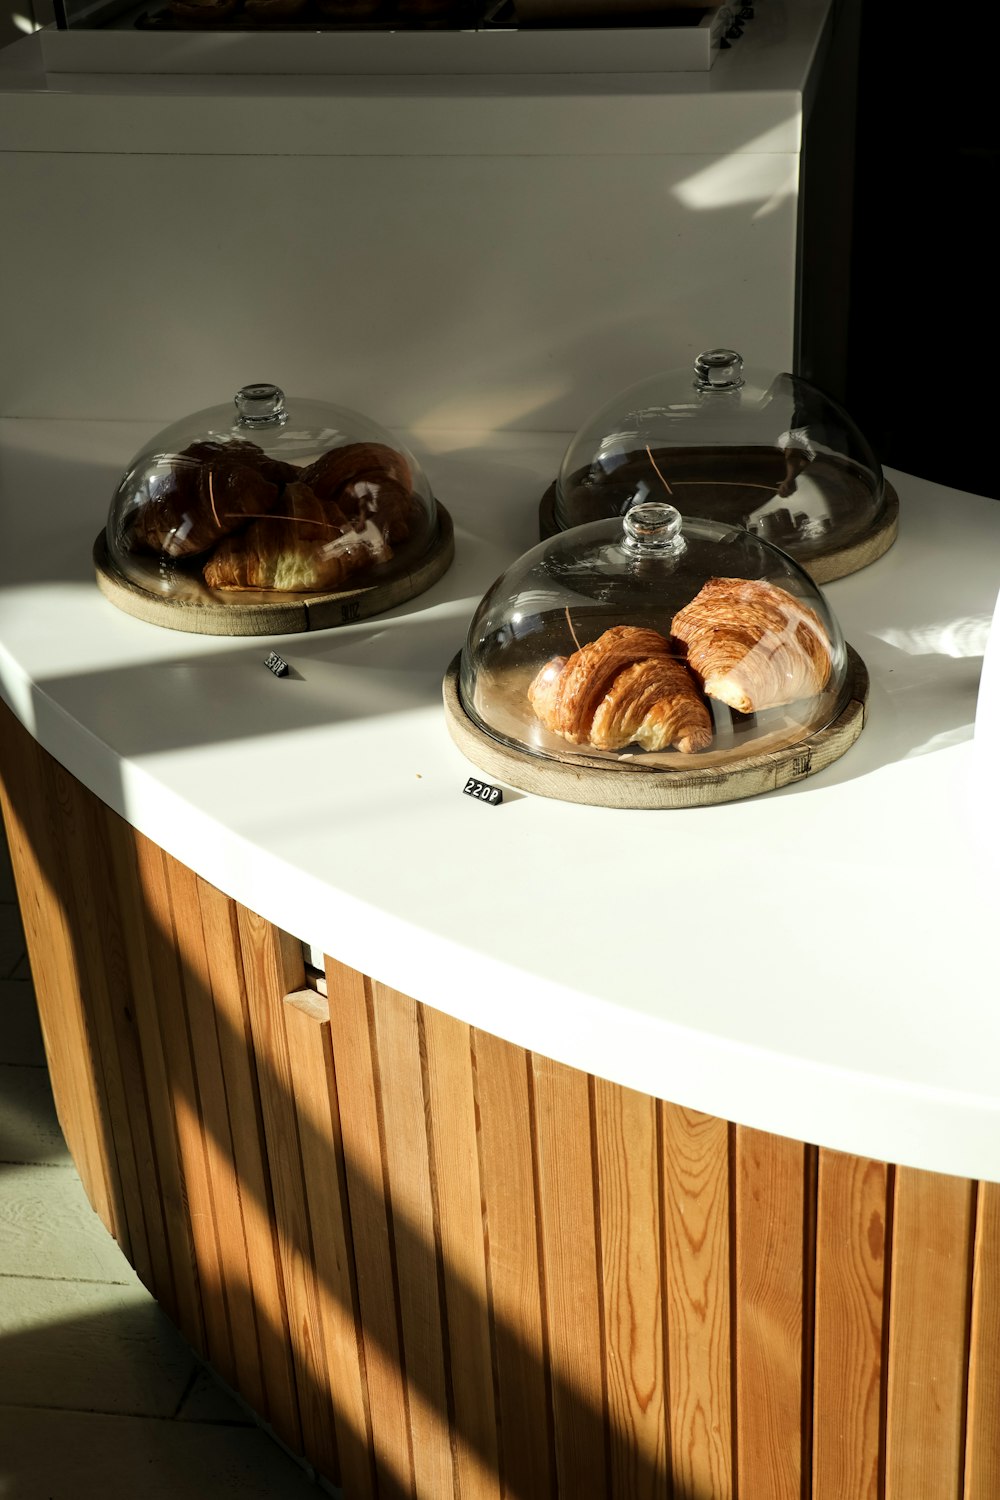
(765, 173)
(488, 411)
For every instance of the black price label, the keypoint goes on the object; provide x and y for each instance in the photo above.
(483, 792)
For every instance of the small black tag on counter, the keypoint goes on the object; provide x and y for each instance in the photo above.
(483, 792)
(277, 664)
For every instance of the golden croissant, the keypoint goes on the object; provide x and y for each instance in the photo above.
(624, 688)
(309, 545)
(753, 646)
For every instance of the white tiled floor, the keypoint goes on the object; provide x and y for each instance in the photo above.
(99, 1395)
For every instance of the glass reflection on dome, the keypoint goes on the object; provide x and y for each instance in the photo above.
(746, 447)
(267, 499)
(658, 638)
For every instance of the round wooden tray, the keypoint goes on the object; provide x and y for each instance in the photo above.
(823, 566)
(292, 615)
(628, 783)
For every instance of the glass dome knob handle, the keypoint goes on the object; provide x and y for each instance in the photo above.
(653, 527)
(261, 406)
(718, 370)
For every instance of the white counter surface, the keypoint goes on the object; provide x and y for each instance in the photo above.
(818, 962)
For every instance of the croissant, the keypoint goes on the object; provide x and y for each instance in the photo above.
(198, 496)
(655, 704)
(310, 545)
(752, 645)
(353, 461)
(623, 688)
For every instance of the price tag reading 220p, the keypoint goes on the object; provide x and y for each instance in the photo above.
(483, 792)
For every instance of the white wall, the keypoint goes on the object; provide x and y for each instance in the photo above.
(438, 252)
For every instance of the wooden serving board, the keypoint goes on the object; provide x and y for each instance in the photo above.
(293, 614)
(635, 783)
(847, 550)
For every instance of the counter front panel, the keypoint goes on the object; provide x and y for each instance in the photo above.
(434, 1261)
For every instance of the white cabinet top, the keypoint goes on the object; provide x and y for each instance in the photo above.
(818, 962)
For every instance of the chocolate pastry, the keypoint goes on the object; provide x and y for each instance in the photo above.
(202, 494)
(426, 12)
(354, 461)
(383, 501)
(309, 545)
(621, 689)
(752, 645)
(275, 10)
(241, 451)
(206, 12)
(350, 12)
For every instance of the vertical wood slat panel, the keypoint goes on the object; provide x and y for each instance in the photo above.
(932, 1220)
(209, 947)
(628, 1172)
(357, 1092)
(108, 1028)
(850, 1274)
(982, 1449)
(97, 939)
(507, 1174)
(53, 971)
(128, 1052)
(573, 1281)
(182, 973)
(307, 1026)
(768, 1287)
(697, 1239)
(153, 983)
(213, 1120)
(180, 1104)
(408, 1168)
(273, 968)
(265, 1289)
(36, 855)
(463, 1253)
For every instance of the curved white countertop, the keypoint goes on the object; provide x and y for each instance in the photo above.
(818, 962)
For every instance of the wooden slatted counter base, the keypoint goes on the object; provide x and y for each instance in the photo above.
(439, 1265)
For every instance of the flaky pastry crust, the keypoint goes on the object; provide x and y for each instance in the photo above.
(655, 704)
(309, 546)
(621, 689)
(752, 645)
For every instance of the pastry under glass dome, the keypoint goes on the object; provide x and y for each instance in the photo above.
(738, 445)
(654, 642)
(268, 501)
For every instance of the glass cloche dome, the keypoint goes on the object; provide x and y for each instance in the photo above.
(270, 504)
(656, 643)
(737, 445)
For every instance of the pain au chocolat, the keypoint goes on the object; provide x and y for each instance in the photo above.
(625, 688)
(354, 462)
(753, 646)
(205, 493)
